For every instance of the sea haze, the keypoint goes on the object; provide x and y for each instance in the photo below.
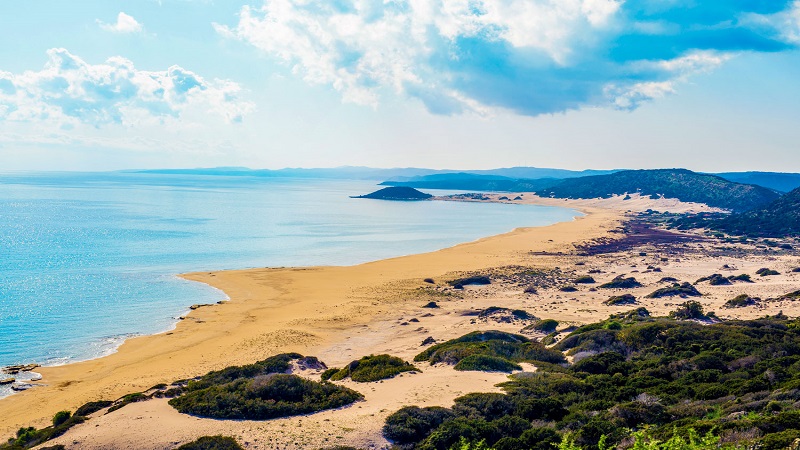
(87, 260)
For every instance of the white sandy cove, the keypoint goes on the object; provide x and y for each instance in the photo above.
(342, 313)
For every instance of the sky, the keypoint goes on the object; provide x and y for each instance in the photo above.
(459, 84)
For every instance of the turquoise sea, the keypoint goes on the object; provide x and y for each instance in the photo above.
(89, 259)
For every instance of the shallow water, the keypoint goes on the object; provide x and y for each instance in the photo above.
(87, 260)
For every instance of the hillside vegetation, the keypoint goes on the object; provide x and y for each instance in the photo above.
(780, 218)
(635, 380)
(682, 184)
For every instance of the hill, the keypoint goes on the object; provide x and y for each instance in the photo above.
(474, 182)
(780, 218)
(783, 182)
(397, 193)
(682, 184)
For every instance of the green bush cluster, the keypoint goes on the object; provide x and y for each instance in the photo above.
(489, 350)
(371, 368)
(624, 299)
(260, 391)
(585, 279)
(681, 384)
(765, 272)
(681, 290)
(621, 282)
(691, 310)
(212, 443)
(741, 301)
(715, 280)
(30, 437)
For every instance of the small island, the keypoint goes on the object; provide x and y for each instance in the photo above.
(397, 193)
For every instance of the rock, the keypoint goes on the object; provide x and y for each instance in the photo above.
(7, 380)
(19, 386)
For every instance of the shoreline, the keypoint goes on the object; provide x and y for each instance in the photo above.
(180, 354)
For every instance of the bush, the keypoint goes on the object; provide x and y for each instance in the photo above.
(740, 301)
(328, 373)
(586, 279)
(92, 407)
(212, 443)
(689, 310)
(473, 280)
(742, 277)
(568, 288)
(624, 299)
(621, 282)
(765, 272)
(264, 397)
(61, 417)
(676, 289)
(715, 280)
(486, 363)
(545, 325)
(412, 424)
(498, 344)
(374, 368)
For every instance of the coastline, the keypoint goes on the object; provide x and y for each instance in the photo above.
(213, 337)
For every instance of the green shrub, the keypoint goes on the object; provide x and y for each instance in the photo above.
(212, 443)
(689, 310)
(486, 363)
(568, 288)
(624, 299)
(765, 272)
(328, 373)
(585, 279)
(373, 368)
(127, 400)
(621, 282)
(92, 407)
(740, 301)
(412, 424)
(264, 397)
(676, 289)
(546, 325)
(61, 417)
(498, 344)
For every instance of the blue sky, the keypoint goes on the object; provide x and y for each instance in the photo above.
(703, 84)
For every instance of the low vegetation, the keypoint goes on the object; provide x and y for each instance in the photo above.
(715, 280)
(30, 437)
(741, 301)
(765, 272)
(372, 368)
(260, 391)
(624, 299)
(677, 384)
(691, 310)
(621, 282)
(212, 443)
(543, 326)
(489, 351)
(586, 279)
(470, 281)
(680, 290)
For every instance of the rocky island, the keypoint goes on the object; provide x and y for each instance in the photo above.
(397, 193)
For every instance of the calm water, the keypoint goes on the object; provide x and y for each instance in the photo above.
(87, 260)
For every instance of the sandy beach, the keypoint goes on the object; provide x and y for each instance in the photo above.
(342, 313)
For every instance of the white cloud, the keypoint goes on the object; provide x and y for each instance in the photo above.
(125, 24)
(69, 91)
(529, 56)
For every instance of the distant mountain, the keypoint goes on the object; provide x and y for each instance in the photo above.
(473, 182)
(369, 173)
(780, 218)
(783, 182)
(397, 193)
(682, 184)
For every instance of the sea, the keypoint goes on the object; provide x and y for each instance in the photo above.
(90, 259)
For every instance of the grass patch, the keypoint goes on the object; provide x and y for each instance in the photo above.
(373, 368)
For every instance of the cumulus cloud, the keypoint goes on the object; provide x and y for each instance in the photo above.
(125, 24)
(71, 91)
(529, 56)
